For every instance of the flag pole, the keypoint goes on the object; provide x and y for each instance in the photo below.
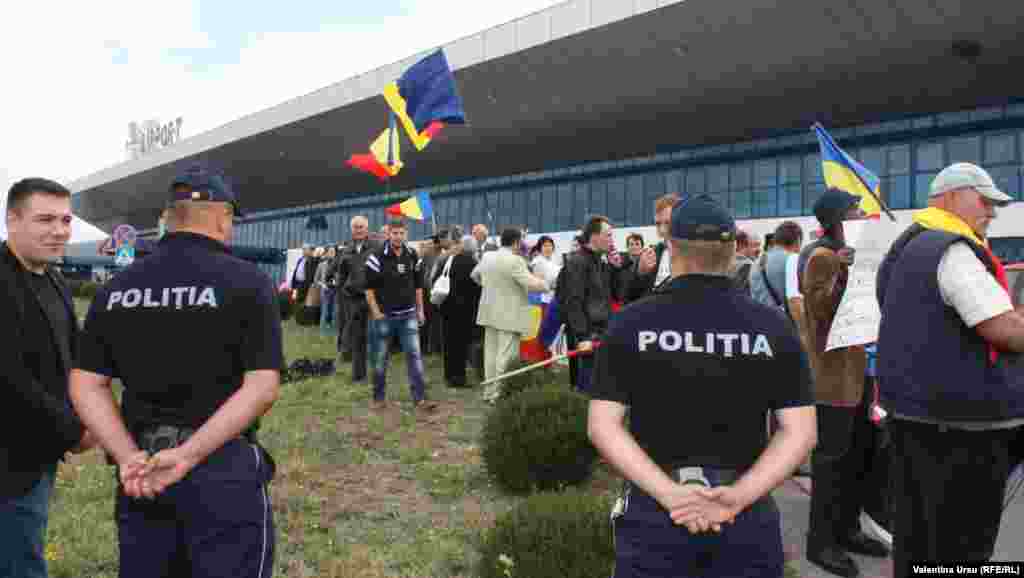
(861, 179)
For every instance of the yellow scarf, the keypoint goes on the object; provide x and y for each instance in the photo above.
(939, 219)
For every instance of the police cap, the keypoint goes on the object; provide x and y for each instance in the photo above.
(702, 218)
(200, 184)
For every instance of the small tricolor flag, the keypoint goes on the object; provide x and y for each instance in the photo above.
(425, 99)
(418, 207)
(843, 172)
(384, 160)
(532, 347)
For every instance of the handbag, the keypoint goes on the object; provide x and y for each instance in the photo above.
(443, 285)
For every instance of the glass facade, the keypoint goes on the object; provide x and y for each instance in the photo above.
(758, 179)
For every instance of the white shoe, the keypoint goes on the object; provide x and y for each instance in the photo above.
(877, 530)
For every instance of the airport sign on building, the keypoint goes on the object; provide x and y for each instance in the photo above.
(150, 135)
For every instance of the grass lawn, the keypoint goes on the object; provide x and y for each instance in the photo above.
(357, 493)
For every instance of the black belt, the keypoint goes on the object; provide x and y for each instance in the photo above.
(703, 475)
(157, 438)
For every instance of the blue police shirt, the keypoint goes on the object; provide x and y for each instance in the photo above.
(700, 365)
(180, 328)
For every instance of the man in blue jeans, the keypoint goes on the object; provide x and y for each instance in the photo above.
(40, 338)
(394, 294)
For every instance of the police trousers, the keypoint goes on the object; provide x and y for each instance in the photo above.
(649, 545)
(215, 522)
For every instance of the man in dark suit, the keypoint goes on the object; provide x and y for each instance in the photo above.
(351, 278)
(37, 424)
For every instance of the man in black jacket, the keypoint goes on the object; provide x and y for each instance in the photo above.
(37, 424)
(653, 267)
(351, 279)
(592, 279)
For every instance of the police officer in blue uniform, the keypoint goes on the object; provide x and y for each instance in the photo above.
(698, 463)
(194, 334)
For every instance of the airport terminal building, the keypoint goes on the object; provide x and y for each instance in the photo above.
(601, 106)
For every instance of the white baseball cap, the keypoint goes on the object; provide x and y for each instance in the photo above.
(968, 176)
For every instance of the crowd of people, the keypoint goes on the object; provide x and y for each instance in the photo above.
(714, 343)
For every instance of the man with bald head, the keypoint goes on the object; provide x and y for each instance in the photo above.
(351, 278)
(480, 233)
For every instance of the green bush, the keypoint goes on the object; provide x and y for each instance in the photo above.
(512, 386)
(537, 440)
(556, 535)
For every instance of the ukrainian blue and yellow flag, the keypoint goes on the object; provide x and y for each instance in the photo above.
(843, 172)
(425, 99)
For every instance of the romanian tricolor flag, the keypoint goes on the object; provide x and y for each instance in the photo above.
(418, 207)
(384, 160)
(843, 172)
(425, 99)
(531, 346)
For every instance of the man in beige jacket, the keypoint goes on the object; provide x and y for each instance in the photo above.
(503, 314)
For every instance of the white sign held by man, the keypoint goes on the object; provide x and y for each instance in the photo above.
(858, 317)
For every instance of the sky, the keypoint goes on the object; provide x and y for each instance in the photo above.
(78, 72)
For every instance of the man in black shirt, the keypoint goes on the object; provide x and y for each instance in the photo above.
(394, 293)
(40, 330)
(194, 334)
(714, 363)
(594, 276)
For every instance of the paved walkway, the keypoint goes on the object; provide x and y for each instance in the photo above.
(795, 502)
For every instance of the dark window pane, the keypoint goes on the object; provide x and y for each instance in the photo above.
(534, 210)
(872, 159)
(598, 201)
(766, 202)
(718, 179)
(929, 156)
(582, 206)
(739, 176)
(696, 178)
(655, 185)
(636, 201)
(999, 148)
(789, 170)
(899, 160)
(617, 200)
(896, 191)
(766, 173)
(1007, 178)
(549, 213)
(922, 182)
(517, 216)
(549, 218)
(790, 200)
(741, 206)
(673, 182)
(812, 169)
(964, 150)
(812, 192)
(566, 214)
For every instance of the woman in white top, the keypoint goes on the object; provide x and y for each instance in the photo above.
(544, 266)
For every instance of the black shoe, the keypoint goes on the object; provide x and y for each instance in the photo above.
(861, 543)
(834, 560)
